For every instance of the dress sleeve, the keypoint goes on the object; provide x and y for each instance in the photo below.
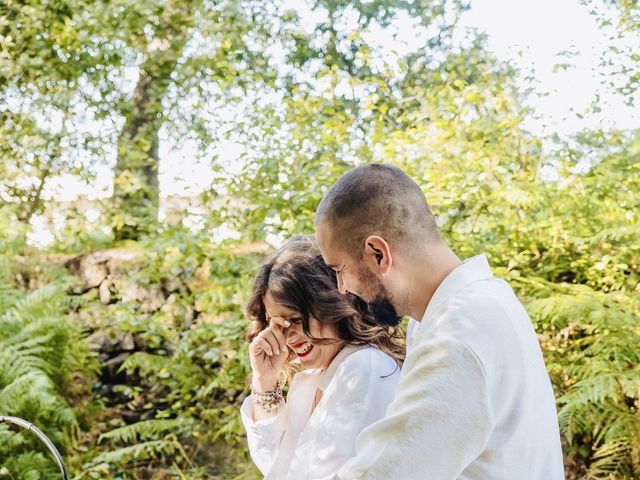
(264, 437)
(358, 395)
(439, 422)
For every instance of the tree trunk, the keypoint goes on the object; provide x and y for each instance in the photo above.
(136, 195)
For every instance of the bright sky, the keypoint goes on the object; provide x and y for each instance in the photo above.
(530, 34)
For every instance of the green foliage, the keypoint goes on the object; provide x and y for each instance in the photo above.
(626, 60)
(42, 360)
(142, 430)
(192, 372)
(561, 226)
(13, 235)
(331, 109)
(571, 246)
(592, 345)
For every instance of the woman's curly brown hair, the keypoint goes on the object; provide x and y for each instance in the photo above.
(297, 277)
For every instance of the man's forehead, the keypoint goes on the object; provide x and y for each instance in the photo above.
(323, 237)
(336, 258)
(328, 246)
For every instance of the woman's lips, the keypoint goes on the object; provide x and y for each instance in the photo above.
(301, 348)
(302, 355)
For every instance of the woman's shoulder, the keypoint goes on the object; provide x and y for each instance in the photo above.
(367, 360)
(361, 370)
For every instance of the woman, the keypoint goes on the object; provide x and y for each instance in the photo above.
(347, 367)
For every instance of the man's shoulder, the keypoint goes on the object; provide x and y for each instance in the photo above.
(488, 319)
(489, 300)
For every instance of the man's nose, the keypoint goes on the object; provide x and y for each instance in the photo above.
(341, 288)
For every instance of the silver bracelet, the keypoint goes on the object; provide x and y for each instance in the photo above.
(268, 401)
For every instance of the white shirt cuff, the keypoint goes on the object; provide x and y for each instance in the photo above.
(268, 430)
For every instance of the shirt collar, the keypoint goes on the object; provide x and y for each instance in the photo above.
(473, 269)
(327, 375)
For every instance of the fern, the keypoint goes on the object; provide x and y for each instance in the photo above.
(180, 369)
(40, 350)
(194, 376)
(144, 430)
(151, 449)
(592, 347)
(31, 466)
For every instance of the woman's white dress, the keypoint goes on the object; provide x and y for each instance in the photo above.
(299, 445)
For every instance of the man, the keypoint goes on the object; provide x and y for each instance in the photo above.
(474, 400)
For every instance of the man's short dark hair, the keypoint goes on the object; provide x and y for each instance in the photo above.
(377, 199)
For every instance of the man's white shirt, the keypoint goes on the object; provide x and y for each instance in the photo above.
(474, 399)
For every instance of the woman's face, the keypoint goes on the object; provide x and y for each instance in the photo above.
(311, 356)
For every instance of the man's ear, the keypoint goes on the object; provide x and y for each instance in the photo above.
(377, 253)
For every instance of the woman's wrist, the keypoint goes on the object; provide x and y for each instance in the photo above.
(263, 384)
(267, 400)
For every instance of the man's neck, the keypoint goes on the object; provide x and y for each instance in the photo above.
(428, 275)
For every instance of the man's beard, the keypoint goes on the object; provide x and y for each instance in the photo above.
(382, 308)
(384, 312)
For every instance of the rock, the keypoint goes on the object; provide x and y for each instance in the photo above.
(94, 267)
(93, 273)
(109, 346)
(104, 292)
(152, 301)
(148, 299)
(101, 341)
(127, 343)
(212, 319)
(127, 288)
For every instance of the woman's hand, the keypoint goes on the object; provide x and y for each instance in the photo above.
(268, 354)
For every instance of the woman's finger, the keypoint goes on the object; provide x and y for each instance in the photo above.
(268, 346)
(262, 344)
(278, 334)
(280, 321)
(267, 336)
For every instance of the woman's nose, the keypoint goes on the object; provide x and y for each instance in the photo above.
(289, 332)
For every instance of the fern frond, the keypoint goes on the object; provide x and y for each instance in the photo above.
(40, 349)
(152, 449)
(144, 430)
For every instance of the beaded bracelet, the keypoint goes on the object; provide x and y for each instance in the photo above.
(268, 401)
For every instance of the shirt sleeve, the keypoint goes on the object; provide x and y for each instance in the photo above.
(439, 422)
(362, 389)
(264, 437)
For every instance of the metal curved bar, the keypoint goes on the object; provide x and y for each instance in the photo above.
(52, 448)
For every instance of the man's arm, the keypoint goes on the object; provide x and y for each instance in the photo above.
(438, 423)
